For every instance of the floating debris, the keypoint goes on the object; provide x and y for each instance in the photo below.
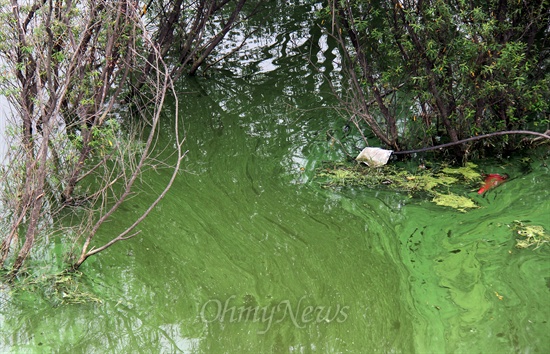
(491, 181)
(374, 157)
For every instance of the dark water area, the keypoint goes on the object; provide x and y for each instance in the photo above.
(248, 254)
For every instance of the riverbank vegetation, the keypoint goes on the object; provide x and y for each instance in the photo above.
(423, 73)
(66, 67)
(87, 83)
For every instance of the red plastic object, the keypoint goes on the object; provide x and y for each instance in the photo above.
(491, 181)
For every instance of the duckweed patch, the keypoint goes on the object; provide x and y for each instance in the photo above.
(436, 181)
(531, 235)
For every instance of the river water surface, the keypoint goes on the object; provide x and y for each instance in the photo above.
(247, 254)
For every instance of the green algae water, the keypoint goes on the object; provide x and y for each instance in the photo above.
(248, 254)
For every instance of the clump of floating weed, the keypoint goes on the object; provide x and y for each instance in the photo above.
(430, 181)
(334, 174)
(530, 235)
(58, 289)
(455, 201)
(424, 181)
(468, 172)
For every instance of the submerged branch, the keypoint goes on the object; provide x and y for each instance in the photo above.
(484, 136)
(164, 83)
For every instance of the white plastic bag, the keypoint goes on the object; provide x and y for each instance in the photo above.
(374, 157)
